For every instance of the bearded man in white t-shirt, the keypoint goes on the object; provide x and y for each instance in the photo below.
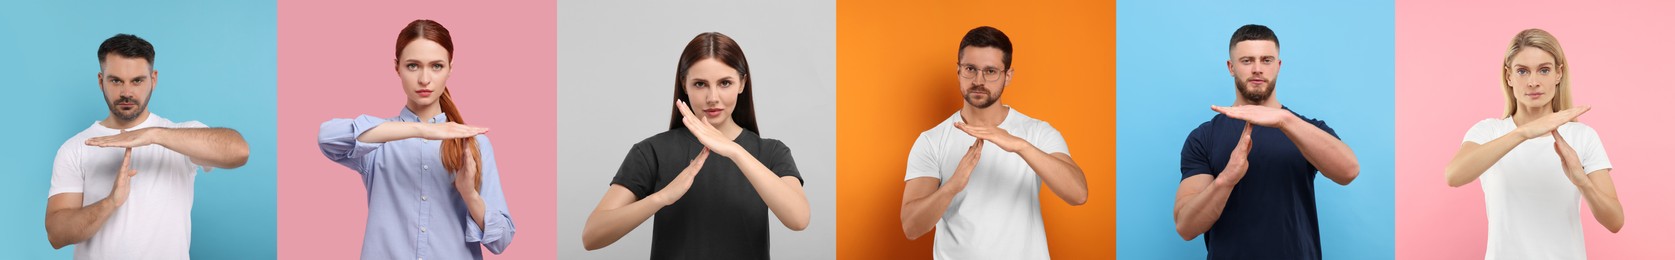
(976, 176)
(123, 187)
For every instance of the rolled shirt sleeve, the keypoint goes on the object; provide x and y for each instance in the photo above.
(338, 142)
(497, 231)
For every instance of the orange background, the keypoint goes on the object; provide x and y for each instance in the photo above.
(896, 78)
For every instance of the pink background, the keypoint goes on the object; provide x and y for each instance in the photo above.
(336, 61)
(1447, 79)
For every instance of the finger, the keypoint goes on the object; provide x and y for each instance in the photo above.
(127, 156)
(1244, 139)
(684, 110)
(1578, 111)
(703, 155)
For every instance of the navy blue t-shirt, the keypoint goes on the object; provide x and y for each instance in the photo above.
(1270, 213)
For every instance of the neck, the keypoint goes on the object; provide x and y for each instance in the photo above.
(1272, 101)
(730, 128)
(425, 113)
(990, 116)
(113, 122)
(1525, 114)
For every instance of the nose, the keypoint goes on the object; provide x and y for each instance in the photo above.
(712, 96)
(424, 78)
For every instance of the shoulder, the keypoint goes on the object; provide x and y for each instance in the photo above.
(664, 138)
(941, 128)
(1578, 129)
(1492, 124)
(1027, 123)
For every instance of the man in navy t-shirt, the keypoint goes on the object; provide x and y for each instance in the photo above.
(1247, 175)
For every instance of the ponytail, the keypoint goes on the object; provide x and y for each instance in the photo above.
(453, 150)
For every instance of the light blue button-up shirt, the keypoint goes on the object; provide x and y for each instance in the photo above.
(413, 210)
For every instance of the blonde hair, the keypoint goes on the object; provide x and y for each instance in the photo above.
(1540, 40)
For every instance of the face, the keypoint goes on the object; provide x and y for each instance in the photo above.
(983, 75)
(127, 84)
(713, 88)
(1534, 77)
(1255, 66)
(423, 67)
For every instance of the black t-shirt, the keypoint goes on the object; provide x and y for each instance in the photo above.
(1270, 213)
(721, 216)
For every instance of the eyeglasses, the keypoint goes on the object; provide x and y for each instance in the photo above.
(971, 72)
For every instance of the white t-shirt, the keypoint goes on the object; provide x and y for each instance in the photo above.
(1534, 209)
(998, 215)
(156, 221)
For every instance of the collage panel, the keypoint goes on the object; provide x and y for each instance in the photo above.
(1310, 176)
(416, 131)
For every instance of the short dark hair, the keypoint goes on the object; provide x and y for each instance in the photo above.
(1253, 32)
(986, 36)
(128, 46)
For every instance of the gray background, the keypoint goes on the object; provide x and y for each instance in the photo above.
(616, 66)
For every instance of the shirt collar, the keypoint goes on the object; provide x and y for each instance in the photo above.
(407, 115)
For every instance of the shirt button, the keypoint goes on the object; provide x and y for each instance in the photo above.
(424, 198)
(421, 229)
(426, 167)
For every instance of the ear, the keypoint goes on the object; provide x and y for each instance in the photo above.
(1008, 80)
(1230, 71)
(154, 78)
(396, 66)
(1561, 71)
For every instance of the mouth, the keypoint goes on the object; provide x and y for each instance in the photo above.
(713, 112)
(1534, 95)
(1256, 82)
(424, 92)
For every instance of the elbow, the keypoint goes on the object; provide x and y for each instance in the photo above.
(590, 242)
(798, 225)
(1184, 233)
(1448, 175)
(1078, 200)
(241, 155)
(1350, 172)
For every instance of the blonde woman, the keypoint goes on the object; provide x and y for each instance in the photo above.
(1536, 160)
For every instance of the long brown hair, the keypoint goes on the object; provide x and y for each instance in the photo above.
(722, 48)
(453, 150)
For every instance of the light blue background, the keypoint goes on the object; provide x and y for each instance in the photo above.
(216, 64)
(1338, 60)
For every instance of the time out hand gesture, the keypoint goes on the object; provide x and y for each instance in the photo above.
(1258, 115)
(678, 187)
(1550, 122)
(468, 180)
(962, 173)
(1572, 165)
(1238, 161)
(707, 134)
(119, 192)
(1006, 141)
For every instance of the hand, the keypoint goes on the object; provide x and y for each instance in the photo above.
(449, 130)
(962, 173)
(1258, 115)
(126, 139)
(1550, 122)
(678, 187)
(1000, 137)
(707, 134)
(1238, 161)
(119, 192)
(1572, 165)
(468, 180)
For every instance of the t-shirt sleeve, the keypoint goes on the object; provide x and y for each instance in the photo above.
(639, 171)
(1483, 132)
(66, 172)
(922, 160)
(1050, 141)
(1589, 149)
(183, 158)
(1195, 154)
(777, 157)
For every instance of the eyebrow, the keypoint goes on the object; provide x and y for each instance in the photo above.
(420, 61)
(132, 79)
(987, 67)
(1543, 64)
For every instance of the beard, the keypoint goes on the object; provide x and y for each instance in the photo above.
(979, 102)
(1254, 96)
(126, 115)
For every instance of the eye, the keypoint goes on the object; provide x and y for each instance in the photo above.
(436, 67)
(969, 69)
(699, 84)
(138, 81)
(115, 81)
(1545, 70)
(411, 66)
(726, 83)
(990, 72)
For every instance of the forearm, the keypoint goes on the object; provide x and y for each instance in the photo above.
(787, 202)
(70, 226)
(1195, 214)
(474, 206)
(214, 147)
(1604, 205)
(919, 216)
(1061, 175)
(1326, 152)
(1472, 160)
(389, 131)
(606, 226)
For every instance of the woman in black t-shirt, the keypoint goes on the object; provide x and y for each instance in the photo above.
(710, 179)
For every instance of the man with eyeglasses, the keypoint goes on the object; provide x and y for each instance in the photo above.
(1247, 175)
(982, 197)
